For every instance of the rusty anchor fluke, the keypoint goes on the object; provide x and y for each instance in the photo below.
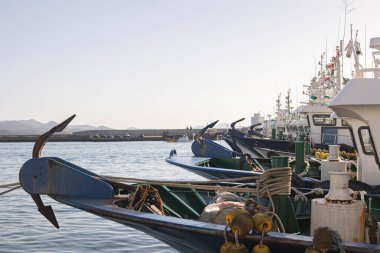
(47, 211)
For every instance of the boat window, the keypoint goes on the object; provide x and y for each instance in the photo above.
(365, 140)
(345, 123)
(329, 135)
(292, 128)
(323, 120)
(301, 129)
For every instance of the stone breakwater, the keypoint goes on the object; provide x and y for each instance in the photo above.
(75, 138)
(114, 135)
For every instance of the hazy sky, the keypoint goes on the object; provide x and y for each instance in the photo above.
(164, 64)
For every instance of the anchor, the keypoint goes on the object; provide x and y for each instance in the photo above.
(47, 211)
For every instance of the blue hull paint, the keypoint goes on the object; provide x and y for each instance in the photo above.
(208, 148)
(187, 236)
(238, 139)
(190, 163)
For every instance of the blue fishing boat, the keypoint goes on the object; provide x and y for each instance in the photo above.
(203, 147)
(256, 144)
(214, 161)
(172, 212)
(217, 168)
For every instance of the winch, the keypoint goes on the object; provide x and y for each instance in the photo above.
(339, 211)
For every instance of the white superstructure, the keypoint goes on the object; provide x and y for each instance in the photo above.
(359, 104)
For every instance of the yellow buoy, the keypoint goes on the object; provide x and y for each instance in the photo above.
(261, 221)
(242, 224)
(241, 248)
(225, 248)
(261, 249)
(230, 216)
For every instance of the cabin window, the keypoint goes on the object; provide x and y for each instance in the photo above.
(345, 123)
(366, 140)
(323, 120)
(329, 135)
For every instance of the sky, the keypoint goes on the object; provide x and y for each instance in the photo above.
(165, 63)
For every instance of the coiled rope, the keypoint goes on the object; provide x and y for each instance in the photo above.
(276, 181)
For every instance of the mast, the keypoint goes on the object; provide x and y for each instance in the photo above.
(353, 48)
(346, 5)
(288, 102)
(278, 107)
(322, 79)
(357, 52)
(339, 69)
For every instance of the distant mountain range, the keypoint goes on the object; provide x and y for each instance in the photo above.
(34, 127)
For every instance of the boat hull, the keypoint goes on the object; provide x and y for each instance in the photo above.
(264, 147)
(186, 236)
(190, 236)
(190, 163)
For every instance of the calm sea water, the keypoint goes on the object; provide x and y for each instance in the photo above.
(23, 229)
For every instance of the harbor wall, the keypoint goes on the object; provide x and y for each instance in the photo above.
(113, 135)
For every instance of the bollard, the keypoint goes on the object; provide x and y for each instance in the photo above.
(273, 133)
(300, 156)
(280, 135)
(301, 136)
(280, 161)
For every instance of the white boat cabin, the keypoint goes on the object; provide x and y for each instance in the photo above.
(323, 128)
(359, 104)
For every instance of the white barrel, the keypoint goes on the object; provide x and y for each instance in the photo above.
(334, 152)
(347, 219)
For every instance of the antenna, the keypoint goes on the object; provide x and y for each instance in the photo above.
(365, 46)
(346, 6)
(297, 97)
(337, 42)
(326, 53)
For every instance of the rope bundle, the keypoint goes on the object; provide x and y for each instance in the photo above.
(146, 194)
(276, 181)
